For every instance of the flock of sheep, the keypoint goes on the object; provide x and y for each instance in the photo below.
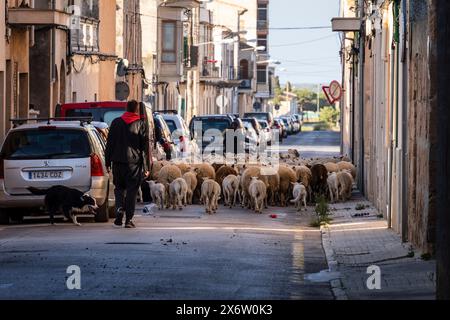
(253, 185)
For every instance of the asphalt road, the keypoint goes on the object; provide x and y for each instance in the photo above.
(235, 254)
(313, 144)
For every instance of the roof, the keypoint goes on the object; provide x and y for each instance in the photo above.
(58, 124)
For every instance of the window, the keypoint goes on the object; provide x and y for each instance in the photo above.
(262, 42)
(169, 46)
(262, 74)
(244, 70)
(262, 12)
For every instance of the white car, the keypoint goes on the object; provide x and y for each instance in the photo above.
(181, 135)
(266, 132)
(251, 139)
(46, 154)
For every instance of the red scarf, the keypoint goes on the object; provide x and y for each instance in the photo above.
(130, 117)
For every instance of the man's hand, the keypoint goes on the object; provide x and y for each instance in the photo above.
(146, 174)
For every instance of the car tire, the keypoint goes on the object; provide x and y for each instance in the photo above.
(4, 217)
(103, 212)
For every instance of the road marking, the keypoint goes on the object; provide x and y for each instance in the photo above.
(229, 229)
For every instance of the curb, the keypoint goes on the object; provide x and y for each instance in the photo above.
(336, 285)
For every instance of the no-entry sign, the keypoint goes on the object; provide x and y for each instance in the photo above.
(333, 92)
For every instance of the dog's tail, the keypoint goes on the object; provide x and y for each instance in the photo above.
(37, 192)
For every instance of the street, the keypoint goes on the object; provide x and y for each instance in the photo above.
(235, 254)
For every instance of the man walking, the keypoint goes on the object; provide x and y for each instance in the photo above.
(127, 151)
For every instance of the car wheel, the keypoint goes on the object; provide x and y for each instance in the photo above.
(4, 217)
(17, 217)
(103, 212)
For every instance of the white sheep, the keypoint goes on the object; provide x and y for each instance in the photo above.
(230, 186)
(299, 193)
(158, 193)
(178, 193)
(210, 195)
(258, 194)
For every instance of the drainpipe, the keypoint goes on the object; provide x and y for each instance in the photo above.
(362, 47)
(391, 135)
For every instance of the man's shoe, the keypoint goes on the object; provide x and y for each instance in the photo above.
(130, 225)
(117, 225)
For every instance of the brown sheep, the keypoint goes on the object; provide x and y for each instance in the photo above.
(217, 166)
(332, 167)
(191, 180)
(271, 178)
(154, 170)
(224, 172)
(167, 175)
(319, 182)
(343, 165)
(287, 178)
(304, 176)
(203, 171)
(184, 167)
(246, 179)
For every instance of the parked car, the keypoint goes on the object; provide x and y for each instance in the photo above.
(256, 126)
(295, 124)
(266, 132)
(267, 116)
(205, 123)
(181, 135)
(163, 136)
(299, 119)
(45, 154)
(251, 138)
(278, 126)
(106, 112)
(288, 124)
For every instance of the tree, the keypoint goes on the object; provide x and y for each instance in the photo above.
(288, 87)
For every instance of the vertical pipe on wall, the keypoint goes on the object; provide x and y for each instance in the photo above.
(362, 46)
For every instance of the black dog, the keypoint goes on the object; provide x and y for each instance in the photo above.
(68, 201)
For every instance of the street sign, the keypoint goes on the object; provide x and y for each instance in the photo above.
(333, 92)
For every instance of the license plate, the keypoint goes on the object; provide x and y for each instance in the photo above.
(46, 175)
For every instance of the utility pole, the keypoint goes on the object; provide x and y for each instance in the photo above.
(318, 99)
(440, 11)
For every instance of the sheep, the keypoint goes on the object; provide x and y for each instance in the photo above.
(258, 193)
(217, 166)
(287, 176)
(230, 188)
(331, 167)
(304, 176)
(332, 182)
(184, 167)
(210, 194)
(166, 176)
(203, 171)
(154, 170)
(223, 172)
(299, 193)
(178, 191)
(273, 186)
(345, 184)
(191, 180)
(158, 193)
(319, 179)
(245, 184)
(343, 165)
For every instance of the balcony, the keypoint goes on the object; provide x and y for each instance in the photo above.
(38, 17)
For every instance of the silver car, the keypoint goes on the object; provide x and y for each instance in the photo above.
(47, 154)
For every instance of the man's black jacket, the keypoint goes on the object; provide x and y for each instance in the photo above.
(128, 143)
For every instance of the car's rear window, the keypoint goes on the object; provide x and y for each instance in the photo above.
(258, 116)
(46, 144)
(106, 115)
(213, 123)
(263, 124)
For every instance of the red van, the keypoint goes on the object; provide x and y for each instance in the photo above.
(104, 111)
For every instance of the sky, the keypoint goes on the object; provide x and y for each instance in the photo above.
(317, 60)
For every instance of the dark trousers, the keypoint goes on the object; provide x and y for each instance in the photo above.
(127, 180)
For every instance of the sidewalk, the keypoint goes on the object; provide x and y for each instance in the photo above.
(358, 239)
